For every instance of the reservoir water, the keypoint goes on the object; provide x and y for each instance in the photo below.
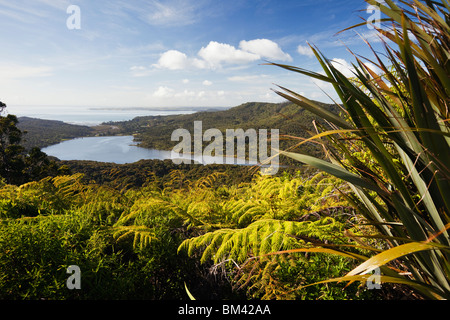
(116, 149)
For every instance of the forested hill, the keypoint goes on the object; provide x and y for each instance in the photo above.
(42, 133)
(155, 131)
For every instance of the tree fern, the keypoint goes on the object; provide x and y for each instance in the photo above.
(260, 238)
(142, 236)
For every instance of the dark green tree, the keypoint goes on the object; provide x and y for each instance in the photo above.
(11, 159)
(16, 166)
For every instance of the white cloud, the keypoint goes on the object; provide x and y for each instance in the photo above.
(199, 64)
(265, 49)
(305, 51)
(173, 60)
(215, 54)
(176, 60)
(207, 83)
(185, 81)
(163, 92)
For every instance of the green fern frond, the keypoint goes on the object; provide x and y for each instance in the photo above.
(142, 236)
(260, 238)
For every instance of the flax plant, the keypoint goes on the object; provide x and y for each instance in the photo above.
(391, 143)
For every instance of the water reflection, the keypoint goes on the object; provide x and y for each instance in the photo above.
(115, 149)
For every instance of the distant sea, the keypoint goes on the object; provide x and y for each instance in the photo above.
(92, 116)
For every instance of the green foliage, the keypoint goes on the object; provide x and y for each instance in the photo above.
(278, 214)
(125, 242)
(130, 243)
(11, 161)
(393, 139)
(16, 165)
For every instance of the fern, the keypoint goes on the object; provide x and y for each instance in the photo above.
(260, 238)
(142, 236)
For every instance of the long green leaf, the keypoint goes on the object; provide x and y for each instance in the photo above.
(426, 196)
(303, 71)
(334, 170)
(395, 253)
(314, 108)
(427, 290)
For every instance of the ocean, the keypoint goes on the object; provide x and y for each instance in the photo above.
(92, 116)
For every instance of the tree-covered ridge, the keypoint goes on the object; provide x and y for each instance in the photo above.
(43, 133)
(155, 131)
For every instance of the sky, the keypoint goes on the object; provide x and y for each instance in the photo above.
(168, 53)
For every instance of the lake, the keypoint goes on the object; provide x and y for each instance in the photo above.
(116, 149)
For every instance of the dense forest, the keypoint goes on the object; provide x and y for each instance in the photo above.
(366, 216)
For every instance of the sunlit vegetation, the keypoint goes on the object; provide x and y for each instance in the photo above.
(135, 243)
(376, 198)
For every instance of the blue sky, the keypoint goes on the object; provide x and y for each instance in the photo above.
(168, 53)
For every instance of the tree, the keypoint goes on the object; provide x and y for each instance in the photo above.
(11, 160)
(16, 166)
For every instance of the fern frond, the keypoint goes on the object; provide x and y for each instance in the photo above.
(260, 238)
(142, 236)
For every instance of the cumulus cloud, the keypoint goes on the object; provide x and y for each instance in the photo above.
(265, 48)
(215, 54)
(172, 60)
(207, 83)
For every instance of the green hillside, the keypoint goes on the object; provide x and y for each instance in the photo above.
(42, 133)
(155, 131)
